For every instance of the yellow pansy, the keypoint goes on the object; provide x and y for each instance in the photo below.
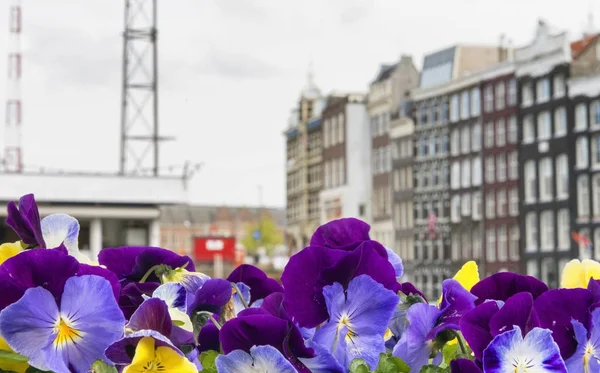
(468, 275)
(8, 250)
(9, 366)
(147, 359)
(577, 274)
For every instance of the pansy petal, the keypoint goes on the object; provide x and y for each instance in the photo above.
(208, 339)
(556, 308)
(503, 285)
(464, 366)
(28, 327)
(456, 301)
(132, 296)
(214, 294)
(85, 269)
(25, 220)
(242, 333)
(510, 352)
(577, 362)
(238, 305)
(474, 326)
(122, 351)
(323, 362)
(153, 314)
(518, 310)
(8, 250)
(60, 229)
(395, 261)
(260, 359)
(342, 234)
(468, 275)
(260, 285)
(174, 295)
(273, 304)
(407, 288)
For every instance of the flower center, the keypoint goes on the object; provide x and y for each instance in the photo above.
(154, 366)
(523, 365)
(587, 355)
(65, 333)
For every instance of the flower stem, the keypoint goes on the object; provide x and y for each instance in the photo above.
(150, 271)
(461, 343)
(239, 292)
(215, 322)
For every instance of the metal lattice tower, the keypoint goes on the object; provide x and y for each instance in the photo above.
(13, 153)
(139, 112)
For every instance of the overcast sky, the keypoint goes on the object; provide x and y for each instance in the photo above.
(230, 71)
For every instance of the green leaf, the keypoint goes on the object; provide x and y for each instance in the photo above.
(449, 353)
(13, 357)
(199, 319)
(359, 366)
(207, 359)
(100, 366)
(434, 369)
(36, 370)
(391, 364)
(7, 371)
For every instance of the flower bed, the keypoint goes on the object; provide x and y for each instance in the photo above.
(341, 309)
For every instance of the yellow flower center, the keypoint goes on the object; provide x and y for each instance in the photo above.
(523, 365)
(154, 366)
(65, 333)
(587, 355)
(151, 359)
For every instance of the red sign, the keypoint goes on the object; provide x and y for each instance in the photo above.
(205, 248)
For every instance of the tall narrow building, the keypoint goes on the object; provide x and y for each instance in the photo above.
(304, 174)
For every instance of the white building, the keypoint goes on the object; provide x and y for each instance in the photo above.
(346, 159)
(112, 210)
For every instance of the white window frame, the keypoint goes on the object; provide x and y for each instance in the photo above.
(595, 114)
(512, 136)
(490, 169)
(455, 142)
(512, 92)
(527, 93)
(455, 209)
(454, 108)
(513, 202)
(547, 228)
(465, 204)
(531, 182)
(502, 238)
(476, 171)
(465, 171)
(476, 137)
(596, 195)
(490, 245)
(596, 151)
(513, 245)
(563, 227)
(488, 105)
(544, 126)
(562, 177)
(501, 167)
(455, 179)
(490, 205)
(560, 122)
(465, 109)
(502, 203)
(546, 184)
(528, 130)
(581, 117)
(559, 85)
(542, 88)
(477, 203)
(500, 96)
(582, 152)
(465, 139)
(583, 197)
(489, 135)
(475, 102)
(500, 132)
(513, 165)
(531, 232)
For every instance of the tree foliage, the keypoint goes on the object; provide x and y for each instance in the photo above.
(270, 237)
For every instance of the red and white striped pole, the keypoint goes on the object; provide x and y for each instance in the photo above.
(14, 106)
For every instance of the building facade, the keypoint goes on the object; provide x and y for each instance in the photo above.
(584, 90)
(546, 154)
(304, 171)
(346, 158)
(498, 139)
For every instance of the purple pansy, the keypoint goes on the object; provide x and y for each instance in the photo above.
(587, 355)
(464, 366)
(260, 285)
(66, 336)
(503, 285)
(49, 268)
(133, 295)
(25, 220)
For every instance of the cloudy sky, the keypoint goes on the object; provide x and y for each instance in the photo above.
(230, 71)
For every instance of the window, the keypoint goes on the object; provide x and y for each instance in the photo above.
(563, 227)
(530, 182)
(477, 205)
(596, 244)
(596, 151)
(476, 138)
(488, 105)
(562, 177)
(501, 168)
(542, 90)
(527, 92)
(500, 133)
(528, 130)
(583, 197)
(491, 244)
(582, 152)
(560, 122)
(549, 272)
(512, 130)
(464, 105)
(490, 205)
(475, 102)
(455, 176)
(531, 235)
(455, 142)
(333, 132)
(341, 126)
(466, 173)
(502, 244)
(326, 133)
(502, 203)
(476, 171)
(434, 176)
(433, 117)
(423, 147)
(513, 166)
(444, 112)
(559, 86)
(544, 126)
(455, 210)
(454, 108)
(465, 138)
(512, 92)
(433, 145)
(490, 170)
(532, 268)
(595, 114)
(545, 170)
(489, 134)
(500, 95)
(476, 244)
(444, 141)
(513, 207)
(580, 117)
(466, 204)
(455, 247)
(513, 246)
(547, 230)
(584, 252)
(596, 194)
(466, 245)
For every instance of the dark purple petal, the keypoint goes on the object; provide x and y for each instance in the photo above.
(85, 269)
(132, 262)
(273, 304)
(464, 366)
(456, 301)
(153, 314)
(474, 326)
(25, 220)
(518, 310)
(132, 296)
(122, 351)
(503, 285)
(31, 268)
(260, 285)
(407, 288)
(594, 288)
(303, 299)
(556, 308)
(342, 234)
(208, 339)
(242, 333)
(214, 294)
(180, 336)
